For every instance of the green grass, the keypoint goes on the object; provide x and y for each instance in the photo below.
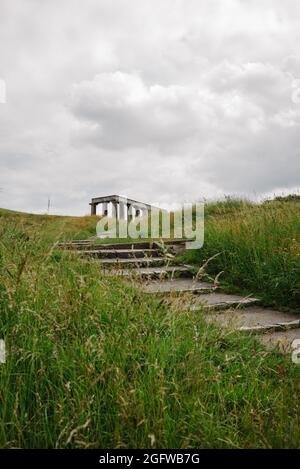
(258, 247)
(92, 363)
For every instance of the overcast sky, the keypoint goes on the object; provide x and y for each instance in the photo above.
(160, 100)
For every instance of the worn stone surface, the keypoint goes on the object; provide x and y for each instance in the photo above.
(178, 285)
(122, 253)
(152, 272)
(255, 319)
(170, 245)
(281, 340)
(219, 301)
(144, 261)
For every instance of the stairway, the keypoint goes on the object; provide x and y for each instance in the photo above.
(154, 268)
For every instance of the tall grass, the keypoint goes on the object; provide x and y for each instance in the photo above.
(259, 249)
(91, 362)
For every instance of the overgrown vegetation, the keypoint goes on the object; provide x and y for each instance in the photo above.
(91, 362)
(258, 246)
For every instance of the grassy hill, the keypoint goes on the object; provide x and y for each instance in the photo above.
(59, 227)
(92, 362)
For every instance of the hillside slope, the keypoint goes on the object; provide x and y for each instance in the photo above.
(92, 362)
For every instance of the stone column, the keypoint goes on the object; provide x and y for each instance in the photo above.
(144, 212)
(129, 211)
(114, 206)
(104, 209)
(122, 210)
(93, 209)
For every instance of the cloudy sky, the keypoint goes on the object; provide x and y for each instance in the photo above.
(160, 100)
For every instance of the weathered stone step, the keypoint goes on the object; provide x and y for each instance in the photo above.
(121, 246)
(143, 261)
(178, 285)
(152, 272)
(256, 319)
(282, 340)
(220, 301)
(122, 253)
(90, 244)
(142, 244)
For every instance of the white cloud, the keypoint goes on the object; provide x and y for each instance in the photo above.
(124, 112)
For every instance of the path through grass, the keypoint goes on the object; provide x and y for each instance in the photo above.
(91, 362)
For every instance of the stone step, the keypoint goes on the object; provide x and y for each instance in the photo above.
(178, 285)
(282, 340)
(143, 262)
(143, 244)
(121, 253)
(256, 319)
(220, 301)
(152, 272)
(121, 246)
(90, 244)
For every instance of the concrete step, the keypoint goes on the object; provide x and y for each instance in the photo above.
(90, 244)
(139, 262)
(121, 246)
(256, 319)
(152, 272)
(121, 253)
(282, 340)
(143, 244)
(220, 301)
(178, 285)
